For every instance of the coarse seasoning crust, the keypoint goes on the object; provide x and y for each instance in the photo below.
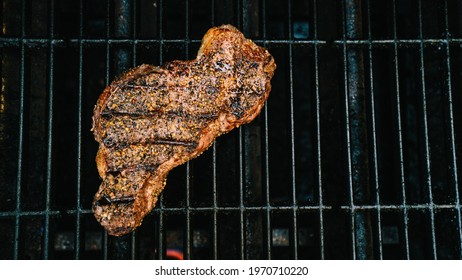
(152, 119)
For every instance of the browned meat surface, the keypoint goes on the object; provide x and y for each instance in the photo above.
(153, 119)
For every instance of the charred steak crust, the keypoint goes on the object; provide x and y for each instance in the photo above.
(153, 119)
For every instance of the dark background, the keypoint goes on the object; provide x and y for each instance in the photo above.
(356, 154)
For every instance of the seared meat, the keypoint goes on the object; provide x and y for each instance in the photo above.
(153, 119)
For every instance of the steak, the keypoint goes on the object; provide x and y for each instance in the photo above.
(152, 119)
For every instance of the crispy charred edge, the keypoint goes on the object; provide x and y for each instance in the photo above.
(101, 163)
(213, 33)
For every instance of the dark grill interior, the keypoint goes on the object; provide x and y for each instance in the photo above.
(356, 154)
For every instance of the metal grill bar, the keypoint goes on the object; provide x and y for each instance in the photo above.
(239, 21)
(214, 202)
(212, 7)
(79, 136)
(403, 207)
(318, 131)
(301, 208)
(241, 195)
(21, 134)
(214, 170)
(374, 135)
(400, 42)
(400, 134)
(133, 245)
(50, 133)
(241, 178)
(452, 133)
(134, 30)
(292, 134)
(357, 153)
(347, 121)
(267, 183)
(426, 138)
(42, 42)
(246, 241)
(188, 213)
(255, 227)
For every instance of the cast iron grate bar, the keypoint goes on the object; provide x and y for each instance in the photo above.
(79, 137)
(266, 142)
(347, 122)
(46, 245)
(133, 35)
(318, 131)
(187, 240)
(400, 134)
(214, 166)
(21, 134)
(292, 135)
(374, 135)
(241, 198)
(426, 137)
(301, 208)
(88, 42)
(214, 202)
(242, 210)
(356, 130)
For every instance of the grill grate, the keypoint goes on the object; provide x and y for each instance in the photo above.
(355, 155)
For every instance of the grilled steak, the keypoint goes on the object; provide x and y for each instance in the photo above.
(153, 119)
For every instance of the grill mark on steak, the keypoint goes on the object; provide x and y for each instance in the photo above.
(105, 200)
(147, 167)
(165, 98)
(109, 143)
(130, 129)
(152, 119)
(109, 114)
(172, 142)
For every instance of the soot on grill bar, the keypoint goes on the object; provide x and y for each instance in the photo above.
(355, 155)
